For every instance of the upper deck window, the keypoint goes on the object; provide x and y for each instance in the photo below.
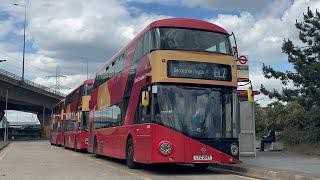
(111, 70)
(191, 40)
(86, 89)
(72, 97)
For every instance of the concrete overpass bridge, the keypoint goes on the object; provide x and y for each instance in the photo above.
(27, 96)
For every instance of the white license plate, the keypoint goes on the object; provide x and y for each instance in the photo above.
(202, 157)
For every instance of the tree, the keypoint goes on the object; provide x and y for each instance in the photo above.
(305, 60)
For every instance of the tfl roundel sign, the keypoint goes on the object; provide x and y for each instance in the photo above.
(243, 60)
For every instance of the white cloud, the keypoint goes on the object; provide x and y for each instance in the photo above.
(65, 84)
(95, 30)
(5, 28)
(262, 38)
(260, 8)
(64, 31)
(274, 8)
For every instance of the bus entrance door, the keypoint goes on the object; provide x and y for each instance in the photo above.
(143, 143)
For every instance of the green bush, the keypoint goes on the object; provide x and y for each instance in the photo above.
(296, 124)
(294, 135)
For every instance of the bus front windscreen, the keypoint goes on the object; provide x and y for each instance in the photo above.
(201, 113)
(191, 40)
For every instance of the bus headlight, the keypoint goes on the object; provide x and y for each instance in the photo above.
(165, 148)
(234, 149)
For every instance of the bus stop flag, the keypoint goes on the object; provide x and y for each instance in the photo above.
(243, 69)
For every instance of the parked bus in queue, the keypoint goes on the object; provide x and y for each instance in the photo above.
(76, 117)
(56, 133)
(168, 97)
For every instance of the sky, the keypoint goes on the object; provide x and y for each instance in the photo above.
(63, 35)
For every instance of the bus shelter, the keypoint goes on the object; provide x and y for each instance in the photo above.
(247, 138)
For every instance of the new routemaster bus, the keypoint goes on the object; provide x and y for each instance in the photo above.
(168, 97)
(76, 117)
(56, 133)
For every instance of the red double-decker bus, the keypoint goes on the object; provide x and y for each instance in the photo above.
(76, 117)
(169, 96)
(56, 133)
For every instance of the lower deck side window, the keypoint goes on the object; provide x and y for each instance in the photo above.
(108, 117)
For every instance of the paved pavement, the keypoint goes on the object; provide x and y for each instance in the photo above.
(285, 162)
(38, 160)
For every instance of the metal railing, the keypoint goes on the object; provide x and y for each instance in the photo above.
(30, 83)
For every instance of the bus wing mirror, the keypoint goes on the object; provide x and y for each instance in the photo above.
(250, 95)
(234, 46)
(145, 98)
(235, 51)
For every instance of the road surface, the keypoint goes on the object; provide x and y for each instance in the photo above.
(39, 160)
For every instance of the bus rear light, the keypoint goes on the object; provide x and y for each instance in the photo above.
(165, 148)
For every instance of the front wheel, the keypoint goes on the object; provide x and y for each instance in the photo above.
(201, 167)
(130, 155)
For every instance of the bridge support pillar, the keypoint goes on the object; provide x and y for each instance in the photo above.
(44, 119)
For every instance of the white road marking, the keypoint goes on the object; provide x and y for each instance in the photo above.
(97, 161)
(2, 155)
(246, 177)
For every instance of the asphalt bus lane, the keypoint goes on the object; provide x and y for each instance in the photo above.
(39, 160)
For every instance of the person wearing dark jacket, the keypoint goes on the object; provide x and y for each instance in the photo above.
(271, 137)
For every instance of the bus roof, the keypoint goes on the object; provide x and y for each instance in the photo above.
(88, 81)
(187, 23)
(170, 22)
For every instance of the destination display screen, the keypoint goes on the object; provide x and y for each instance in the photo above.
(199, 70)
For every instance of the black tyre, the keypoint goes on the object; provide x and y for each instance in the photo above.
(64, 143)
(130, 155)
(75, 145)
(95, 148)
(201, 167)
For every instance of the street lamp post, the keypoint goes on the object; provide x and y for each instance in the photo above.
(24, 35)
(5, 120)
